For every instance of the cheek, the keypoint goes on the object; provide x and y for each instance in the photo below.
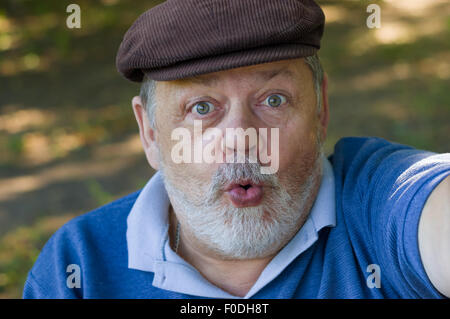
(298, 143)
(181, 172)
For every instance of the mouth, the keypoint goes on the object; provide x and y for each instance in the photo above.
(245, 193)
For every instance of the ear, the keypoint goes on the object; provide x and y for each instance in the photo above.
(147, 133)
(324, 112)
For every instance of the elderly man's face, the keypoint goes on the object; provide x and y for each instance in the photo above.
(271, 95)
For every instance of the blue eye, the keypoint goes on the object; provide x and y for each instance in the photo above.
(203, 108)
(275, 100)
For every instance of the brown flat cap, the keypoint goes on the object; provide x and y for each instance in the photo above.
(184, 38)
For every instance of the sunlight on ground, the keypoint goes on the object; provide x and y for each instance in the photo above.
(437, 65)
(39, 136)
(13, 36)
(415, 7)
(334, 13)
(416, 21)
(108, 158)
(24, 119)
(402, 32)
(7, 37)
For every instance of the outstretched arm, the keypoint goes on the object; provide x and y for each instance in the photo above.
(434, 237)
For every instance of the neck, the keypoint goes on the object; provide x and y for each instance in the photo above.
(220, 272)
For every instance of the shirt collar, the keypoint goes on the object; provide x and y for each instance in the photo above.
(147, 225)
(323, 212)
(149, 249)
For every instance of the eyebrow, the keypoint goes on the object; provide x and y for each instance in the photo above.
(211, 80)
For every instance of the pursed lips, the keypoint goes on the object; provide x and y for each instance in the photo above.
(245, 193)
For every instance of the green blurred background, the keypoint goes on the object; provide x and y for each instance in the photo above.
(68, 138)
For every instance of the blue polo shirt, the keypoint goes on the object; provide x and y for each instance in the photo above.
(365, 217)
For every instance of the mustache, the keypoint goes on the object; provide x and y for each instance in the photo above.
(233, 172)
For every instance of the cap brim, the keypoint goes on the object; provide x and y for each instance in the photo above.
(193, 67)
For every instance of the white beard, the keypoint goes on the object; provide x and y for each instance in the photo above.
(248, 232)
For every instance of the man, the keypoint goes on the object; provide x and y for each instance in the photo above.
(370, 221)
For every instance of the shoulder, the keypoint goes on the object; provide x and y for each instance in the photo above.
(90, 241)
(367, 158)
(374, 168)
(108, 214)
(103, 221)
(349, 151)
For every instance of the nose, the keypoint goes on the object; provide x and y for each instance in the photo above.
(241, 135)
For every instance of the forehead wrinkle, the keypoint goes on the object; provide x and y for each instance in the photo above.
(214, 79)
(269, 75)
